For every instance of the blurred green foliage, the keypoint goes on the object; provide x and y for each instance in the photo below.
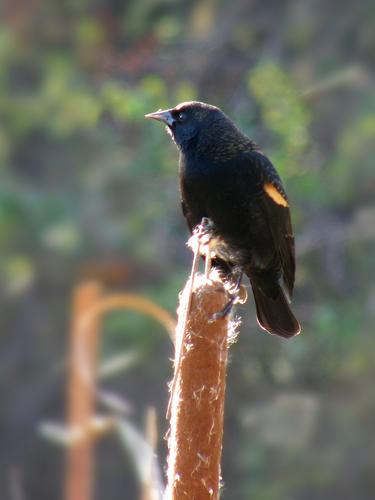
(283, 112)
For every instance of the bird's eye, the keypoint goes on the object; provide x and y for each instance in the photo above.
(181, 117)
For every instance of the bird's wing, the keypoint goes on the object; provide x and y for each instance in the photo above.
(275, 205)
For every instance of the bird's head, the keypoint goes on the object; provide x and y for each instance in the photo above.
(187, 121)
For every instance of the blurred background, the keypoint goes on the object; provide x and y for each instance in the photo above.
(89, 190)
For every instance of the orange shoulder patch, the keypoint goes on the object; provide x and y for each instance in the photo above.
(275, 194)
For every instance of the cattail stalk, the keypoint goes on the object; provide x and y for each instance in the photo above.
(197, 401)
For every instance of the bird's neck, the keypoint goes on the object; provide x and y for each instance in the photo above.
(219, 143)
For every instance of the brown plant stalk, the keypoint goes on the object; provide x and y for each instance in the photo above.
(80, 396)
(89, 307)
(197, 401)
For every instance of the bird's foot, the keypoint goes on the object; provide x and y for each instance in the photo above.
(225, 311)
(237, 294)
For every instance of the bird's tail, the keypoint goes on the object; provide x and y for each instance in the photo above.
(274, 314)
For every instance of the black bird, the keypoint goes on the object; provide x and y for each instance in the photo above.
(225, 177)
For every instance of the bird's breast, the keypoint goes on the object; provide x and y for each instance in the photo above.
(221, 248)
(230, 198)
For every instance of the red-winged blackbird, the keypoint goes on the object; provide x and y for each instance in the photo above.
(226, 178)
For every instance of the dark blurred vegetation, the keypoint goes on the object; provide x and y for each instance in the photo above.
(89, 189)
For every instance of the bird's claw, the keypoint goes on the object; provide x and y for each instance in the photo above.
(239, 296)
(224, 312)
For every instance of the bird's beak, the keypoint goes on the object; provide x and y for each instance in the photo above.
(162, 116)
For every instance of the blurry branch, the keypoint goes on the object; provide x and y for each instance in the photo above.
(117, 364)
(353, 75)
(142, 454)
(141, 450)
(197, 399)
(62, 435)
(89, 307)
(148, 489)
(81, 396)
(135, 303)
(109, 304)
(113, 403)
